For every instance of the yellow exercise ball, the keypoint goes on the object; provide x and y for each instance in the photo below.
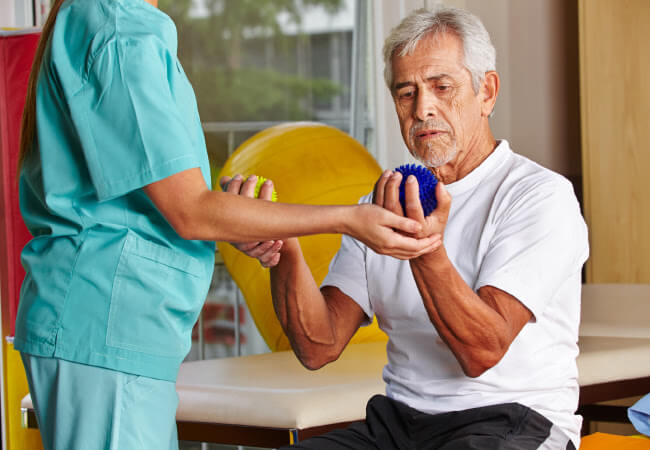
(309, 163)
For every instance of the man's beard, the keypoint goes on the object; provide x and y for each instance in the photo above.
(435, 153)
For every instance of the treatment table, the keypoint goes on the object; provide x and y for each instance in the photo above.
(270, 400)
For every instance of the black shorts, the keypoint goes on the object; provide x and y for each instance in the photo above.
(391, 425)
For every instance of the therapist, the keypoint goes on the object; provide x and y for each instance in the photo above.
(114, 180)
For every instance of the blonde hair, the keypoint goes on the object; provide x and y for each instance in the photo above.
(28, 125)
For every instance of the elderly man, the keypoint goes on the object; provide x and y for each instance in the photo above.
(483, 329)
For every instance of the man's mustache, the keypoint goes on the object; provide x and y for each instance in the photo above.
(430, 124)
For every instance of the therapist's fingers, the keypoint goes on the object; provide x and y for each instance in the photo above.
(391, 194)
(271, 257)
(248, 188)
(273, 261)
(267, 253)
(380, 186)
(224, 181)
(235, 184)
(246, 247)
(266, 191)
(264, 248)
(412, 199)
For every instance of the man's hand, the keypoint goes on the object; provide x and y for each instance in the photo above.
(386, 194)
(267, 252)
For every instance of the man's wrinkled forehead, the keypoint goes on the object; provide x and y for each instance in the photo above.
(434, 58)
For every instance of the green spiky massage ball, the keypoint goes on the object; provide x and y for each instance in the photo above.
(258, 186)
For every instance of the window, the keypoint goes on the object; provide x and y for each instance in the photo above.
(254, 63)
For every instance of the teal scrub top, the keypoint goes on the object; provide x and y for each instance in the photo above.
(109, 282)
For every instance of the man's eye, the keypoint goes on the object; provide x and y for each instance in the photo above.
(405, 94)
(443, 87)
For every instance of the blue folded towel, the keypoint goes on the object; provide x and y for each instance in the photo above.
(639, 415)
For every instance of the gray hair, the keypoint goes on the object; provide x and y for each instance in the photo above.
(479, 53)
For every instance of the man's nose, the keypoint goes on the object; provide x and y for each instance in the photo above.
(426, 105)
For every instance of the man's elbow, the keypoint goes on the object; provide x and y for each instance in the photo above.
(313, 364)
(477, 365)
(316, 360)
(475, 370)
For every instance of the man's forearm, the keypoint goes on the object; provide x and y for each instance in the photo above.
(300, 306)
(474, 331)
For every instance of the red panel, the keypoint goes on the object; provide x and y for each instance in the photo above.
(16, 55)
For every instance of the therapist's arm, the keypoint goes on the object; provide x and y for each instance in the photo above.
(196, 212)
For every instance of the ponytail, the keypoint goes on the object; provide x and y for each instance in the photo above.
(28, 125)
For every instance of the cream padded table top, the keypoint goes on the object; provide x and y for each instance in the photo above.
(605, 359)
(614, 333)
(275, 390)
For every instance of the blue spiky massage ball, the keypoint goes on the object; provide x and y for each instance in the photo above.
(427, 182)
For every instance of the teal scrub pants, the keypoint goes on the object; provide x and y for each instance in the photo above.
(86, 407)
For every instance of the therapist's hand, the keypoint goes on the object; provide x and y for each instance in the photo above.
(266, 252)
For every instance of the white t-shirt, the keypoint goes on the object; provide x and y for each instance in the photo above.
(513, 225)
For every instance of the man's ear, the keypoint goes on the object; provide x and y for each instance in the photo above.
(489, 92)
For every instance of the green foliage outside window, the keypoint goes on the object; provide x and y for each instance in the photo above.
(244, 68)
(225, 54)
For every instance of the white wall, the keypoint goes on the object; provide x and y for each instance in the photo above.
(16, 13)
(537, 110)
(7, 18)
